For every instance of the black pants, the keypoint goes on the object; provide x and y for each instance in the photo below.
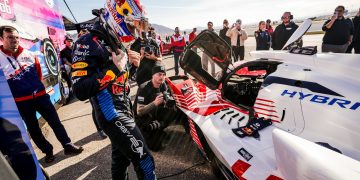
(128, 145)
(177, 57)
(356, 46)
(239, 52)
(47, 110)
(12, 145)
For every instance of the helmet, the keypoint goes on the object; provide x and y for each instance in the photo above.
(122, 16)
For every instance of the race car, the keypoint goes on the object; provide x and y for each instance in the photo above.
(289, 114)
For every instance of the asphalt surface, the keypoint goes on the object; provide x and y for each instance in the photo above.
(95, 161)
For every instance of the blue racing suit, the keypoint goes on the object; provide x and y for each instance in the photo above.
(95, 76)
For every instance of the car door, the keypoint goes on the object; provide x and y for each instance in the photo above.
(206, 52)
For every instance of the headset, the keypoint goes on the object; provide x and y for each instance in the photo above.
(291, 16)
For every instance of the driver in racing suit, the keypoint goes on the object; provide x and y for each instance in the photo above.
(102, 75)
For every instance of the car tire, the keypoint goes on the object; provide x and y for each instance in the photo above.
(65, 91)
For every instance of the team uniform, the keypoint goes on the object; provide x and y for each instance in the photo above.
(95, 76)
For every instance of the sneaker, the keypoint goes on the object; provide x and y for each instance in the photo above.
(49, 157)
(102, 134)
(71, 149)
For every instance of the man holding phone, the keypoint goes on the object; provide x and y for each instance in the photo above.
(237, 36)
(338, 32)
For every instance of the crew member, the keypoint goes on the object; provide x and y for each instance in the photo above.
(283, 31)
(23, 73)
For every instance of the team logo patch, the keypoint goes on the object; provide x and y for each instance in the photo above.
(80, 65)
(109, 76)
(141, 99)
(79, 73)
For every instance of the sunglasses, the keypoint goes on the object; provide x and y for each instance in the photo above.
(287, 17)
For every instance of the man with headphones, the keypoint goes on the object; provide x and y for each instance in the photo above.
(283, 31)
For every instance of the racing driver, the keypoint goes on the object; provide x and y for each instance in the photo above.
(100, 71)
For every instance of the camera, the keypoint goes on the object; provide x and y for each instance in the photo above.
(148, 49)
(169, 101)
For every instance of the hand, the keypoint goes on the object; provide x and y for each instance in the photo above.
(119, 60)
(151, 56)
(154, 125)
(134, 57)
(335, 16)
(159, 100)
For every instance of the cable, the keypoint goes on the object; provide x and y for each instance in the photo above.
(70, 11)
(183, 171)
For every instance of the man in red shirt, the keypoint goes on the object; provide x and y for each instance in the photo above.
(192, 35)
(178, 44)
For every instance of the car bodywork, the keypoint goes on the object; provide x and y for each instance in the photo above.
(304, 98)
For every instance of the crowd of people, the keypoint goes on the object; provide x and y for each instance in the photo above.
(102, 74)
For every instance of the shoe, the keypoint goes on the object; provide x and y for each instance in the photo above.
(71, 149)
(102, 134)
(49, 157)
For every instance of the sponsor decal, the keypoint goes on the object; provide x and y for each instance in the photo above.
(80, 65)
(50, 3)
(79, 73)
(321, 99)
(81, 53)
(109, 76)
(6, 10)
(50, 90)
(246, 155)
(76, 59)
(82, 46)
(137, 146)
(118, 89)
(123, 78)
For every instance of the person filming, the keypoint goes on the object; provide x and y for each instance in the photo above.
(155, 108)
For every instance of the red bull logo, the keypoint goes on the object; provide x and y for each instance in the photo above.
(122, 79)
(110, 76)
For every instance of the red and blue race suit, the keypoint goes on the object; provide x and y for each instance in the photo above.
(95, 76)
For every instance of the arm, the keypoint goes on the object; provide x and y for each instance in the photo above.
(328, 24)
(88, 79)
(38, 68)
(142, 99)
(244, 35)
(228, 32)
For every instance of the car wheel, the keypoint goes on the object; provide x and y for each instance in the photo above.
(51, 57)
(64, 91)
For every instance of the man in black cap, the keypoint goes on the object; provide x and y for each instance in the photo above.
(153, 113)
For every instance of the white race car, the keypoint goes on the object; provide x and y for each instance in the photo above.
(284, 115)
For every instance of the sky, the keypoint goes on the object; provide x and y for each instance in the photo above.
(187, 14)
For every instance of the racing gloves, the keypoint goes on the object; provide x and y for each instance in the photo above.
(252, 128)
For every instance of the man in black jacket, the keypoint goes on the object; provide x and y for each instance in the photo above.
(283, 31)
(338, 32)
(223, 31)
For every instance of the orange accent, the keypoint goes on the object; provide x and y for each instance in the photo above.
(80, 65)
(33, 96)
(79, 73)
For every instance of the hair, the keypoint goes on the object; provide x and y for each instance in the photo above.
(210, 23)
(261, 23)
(8, 29)
(341, 6)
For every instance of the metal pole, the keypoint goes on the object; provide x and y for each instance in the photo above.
(70, 10)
